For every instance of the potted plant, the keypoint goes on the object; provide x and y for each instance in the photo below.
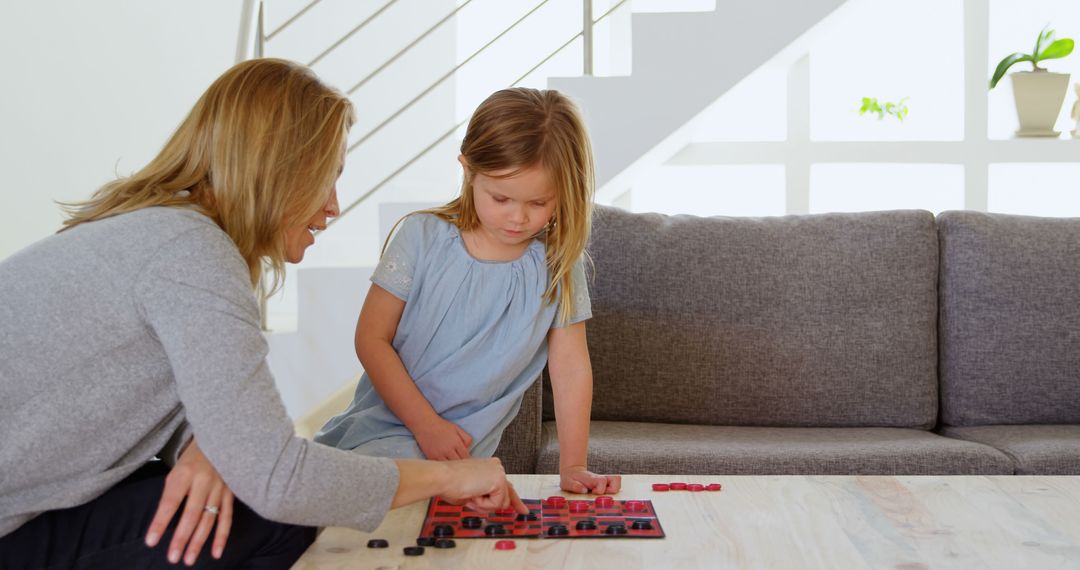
(1039, 93)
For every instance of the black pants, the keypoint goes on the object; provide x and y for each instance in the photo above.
(110, 532)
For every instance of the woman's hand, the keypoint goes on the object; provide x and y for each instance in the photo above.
(196, 479)
(481, 484)
(578, 479)
(443, 440)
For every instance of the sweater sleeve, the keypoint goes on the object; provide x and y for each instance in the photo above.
(196, 298)
(176, 445)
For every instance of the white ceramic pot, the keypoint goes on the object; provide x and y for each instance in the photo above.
(1039, 96)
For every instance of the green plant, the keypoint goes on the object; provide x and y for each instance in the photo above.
(871, 105)
(1046, 47)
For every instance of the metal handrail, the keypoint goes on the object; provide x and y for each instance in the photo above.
(390, 177)
(352, 205)
(439, 81)
(295, 17)
(260, 29)
(351, 33)
(587, 32)
(402, 51)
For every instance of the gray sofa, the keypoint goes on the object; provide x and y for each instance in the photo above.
(868, 343)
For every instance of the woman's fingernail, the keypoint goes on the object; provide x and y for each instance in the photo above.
(174, 556)
(152, 539)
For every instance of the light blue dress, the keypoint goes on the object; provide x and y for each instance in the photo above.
(473, 336)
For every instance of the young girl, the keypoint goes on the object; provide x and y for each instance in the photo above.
(471, 299)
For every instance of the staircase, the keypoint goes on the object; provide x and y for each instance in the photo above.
(682, 63)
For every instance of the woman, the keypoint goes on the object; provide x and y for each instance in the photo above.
(135, 328)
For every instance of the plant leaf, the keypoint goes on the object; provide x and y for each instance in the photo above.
(1058, 49)
(1045, 36)
(1005, 65)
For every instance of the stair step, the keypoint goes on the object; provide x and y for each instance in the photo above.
(682, 64)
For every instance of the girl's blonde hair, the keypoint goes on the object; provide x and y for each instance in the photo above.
(517, 129)
(260, 151)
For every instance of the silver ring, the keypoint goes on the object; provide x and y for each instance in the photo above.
(211, 509)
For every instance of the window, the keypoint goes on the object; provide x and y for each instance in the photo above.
(744, 190)
(1035, 189)
(863, 187)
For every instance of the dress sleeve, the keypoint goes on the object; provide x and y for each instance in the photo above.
(398, 263)
(196, 299)
(582, 309)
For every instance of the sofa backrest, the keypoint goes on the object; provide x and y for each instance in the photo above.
(817, 320)
(1010, 319)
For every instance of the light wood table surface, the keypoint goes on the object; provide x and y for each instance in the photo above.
(775, 522)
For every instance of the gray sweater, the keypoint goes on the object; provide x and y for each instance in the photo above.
(121, 337)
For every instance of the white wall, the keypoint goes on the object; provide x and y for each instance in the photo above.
(92, 89)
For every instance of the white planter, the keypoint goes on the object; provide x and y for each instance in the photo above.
(1039, 96)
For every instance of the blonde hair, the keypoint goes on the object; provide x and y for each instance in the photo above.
(260, 151)
(517, 129)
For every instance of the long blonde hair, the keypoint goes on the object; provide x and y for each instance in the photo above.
(516, 129)
(260, 151)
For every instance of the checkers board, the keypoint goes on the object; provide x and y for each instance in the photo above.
(554, 517)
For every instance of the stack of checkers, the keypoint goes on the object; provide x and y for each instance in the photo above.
(693, 487)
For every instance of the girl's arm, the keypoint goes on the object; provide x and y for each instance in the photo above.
(571, 385)
(375, 329)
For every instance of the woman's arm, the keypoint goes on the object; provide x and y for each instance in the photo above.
(481, 483)
(195, 298)
(571, 385)
(375, 329)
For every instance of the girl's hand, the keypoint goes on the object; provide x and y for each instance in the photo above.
(443, 440)
(481, 485)
(196, 479)
(578, 479)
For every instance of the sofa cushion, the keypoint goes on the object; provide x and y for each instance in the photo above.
(1010, 319)
(1035, 449)
(520, 441)
(634, 447)
(822, 320)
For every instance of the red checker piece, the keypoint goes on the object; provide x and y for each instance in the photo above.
(505, 545)
(660, 486)
(505, 512)
(634, 506)
(579, 506)
(555, 501)
(604, 501)
(694, 487)
(678, 486)
(713, 487)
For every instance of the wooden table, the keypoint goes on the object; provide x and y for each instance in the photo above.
(900, 523)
